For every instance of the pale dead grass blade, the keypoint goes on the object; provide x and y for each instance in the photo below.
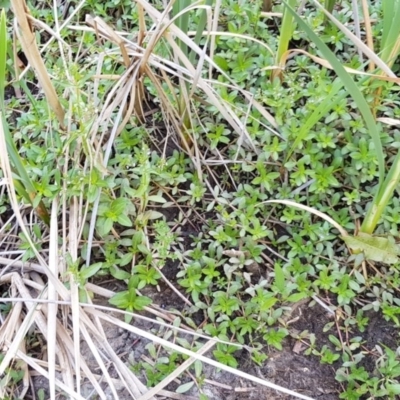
(35, 315)
(311, 210)
(76, 9)
(28, 43)
(183, 367)
(101, 27)
(214, 28)
(11, 348)
(52, 307)
(36, 366)
(8, 329)
(100, 362)
(142, 25)
(45, 27)
(132, 383)
(64, 345)
(75, 309)
(189, 353)
(389, 121)
(65, 339)
(109, 294)
(271, 14)
(24, 366)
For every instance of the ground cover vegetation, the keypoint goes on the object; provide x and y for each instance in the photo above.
(242, 154)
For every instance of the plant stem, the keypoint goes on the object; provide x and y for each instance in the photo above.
(286, 33)
(382, 197)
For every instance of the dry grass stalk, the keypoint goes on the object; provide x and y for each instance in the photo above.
(183, 367)
(29, 46)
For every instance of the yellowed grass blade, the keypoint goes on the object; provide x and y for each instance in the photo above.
(28, 43)
(101, 27)
(368, 31)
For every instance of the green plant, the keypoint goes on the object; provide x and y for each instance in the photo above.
(129, 300)
(13, 375)
(388, 183)
(329, 5)
(23, 184)
(248, 271)
(286, 31)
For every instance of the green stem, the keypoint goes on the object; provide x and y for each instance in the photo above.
(286, 33)
(382, 197)
(329, 4)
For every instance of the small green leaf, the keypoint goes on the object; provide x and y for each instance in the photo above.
(354, 285)
(119, 273)
(157, 199)
(104, 226)
(279, 278)
(394, 388)
(86, 273)
(335, 341)
(379, 249)
(124, 220)
(121, 299)
(125, 259)
(295, 297)
(141, 302)
(118, 206)
(221, 62)
(198, 368)
(185, 387)
(41, 394)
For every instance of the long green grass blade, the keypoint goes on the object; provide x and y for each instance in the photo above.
(382, 197)
(182, 22)
(390, 31)
(286, 31)
(329, 4)
(388, 10)
(3, 55)
(200, 29)
(351, 87)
